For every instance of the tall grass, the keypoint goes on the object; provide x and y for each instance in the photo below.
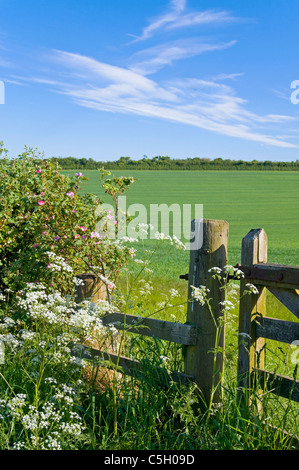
(48, 402)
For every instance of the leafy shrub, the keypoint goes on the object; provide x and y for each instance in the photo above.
(45, 222)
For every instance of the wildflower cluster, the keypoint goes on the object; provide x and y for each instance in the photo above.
(47, 426)
(173, 240)
(250, 289)
(62, 313)
(200, 294)
(43, 339)
(228, 271)
(58, 263)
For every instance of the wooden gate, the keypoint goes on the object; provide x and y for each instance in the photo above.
(254, 326)
(198, 334)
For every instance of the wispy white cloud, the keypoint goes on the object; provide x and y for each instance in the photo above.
(179, 5)
(207, 104)
(176, 17)
(201, 18)
(122, 81)
(153, 59)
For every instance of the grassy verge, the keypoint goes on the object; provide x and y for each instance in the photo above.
(47, 404)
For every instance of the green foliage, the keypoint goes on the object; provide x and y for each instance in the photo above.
(44, 215)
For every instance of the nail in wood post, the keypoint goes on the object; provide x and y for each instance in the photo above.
(251, 349)
(92, 288)
(199, 359)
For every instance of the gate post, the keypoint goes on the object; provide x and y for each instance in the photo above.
(251, 348)
(201, 360)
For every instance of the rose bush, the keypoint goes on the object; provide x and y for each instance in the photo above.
(45, 222)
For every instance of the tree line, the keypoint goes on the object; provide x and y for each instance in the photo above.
(167, 163)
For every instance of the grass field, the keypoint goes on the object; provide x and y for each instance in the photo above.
(246, 200)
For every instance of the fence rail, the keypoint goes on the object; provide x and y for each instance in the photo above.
(129, 366)
(169, 331)
(198, 334)
(276, 329)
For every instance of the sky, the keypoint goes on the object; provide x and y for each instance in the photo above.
(183, 78)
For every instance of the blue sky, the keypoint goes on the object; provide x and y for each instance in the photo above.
(184, 78)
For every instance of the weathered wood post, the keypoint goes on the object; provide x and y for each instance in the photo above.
(210, 250)
(251, 348)
(92, 288)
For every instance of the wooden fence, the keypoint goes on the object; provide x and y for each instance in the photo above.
(254, 326)
(198, 334)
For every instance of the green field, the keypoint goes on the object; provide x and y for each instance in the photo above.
(246, 200)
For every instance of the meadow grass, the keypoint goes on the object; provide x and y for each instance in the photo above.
(62, 411)
(246, 200)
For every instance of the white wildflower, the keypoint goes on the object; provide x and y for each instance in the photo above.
(250, 289)
(162, 236)
(77, 361)
(173, 293)
(232, 271)
(107, 281)
(143, 230)
(52, 442)
(200, 294)
(78, 282)
(16, 404)
(112, 330)
(233, 290)
(8, 321)
(19, 445)
(146, 287)
(27, 335)
(11, 341)
(164, 358)
(178, 244)
(71, 428)
(227, 305)
(148, 270)
(58, 263)
(50, 380)
(215, 270)
(129, 239)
